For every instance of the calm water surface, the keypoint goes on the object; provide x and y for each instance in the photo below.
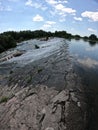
(86, 64)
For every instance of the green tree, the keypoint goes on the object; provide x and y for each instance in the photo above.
(77, 37)
(93, 37)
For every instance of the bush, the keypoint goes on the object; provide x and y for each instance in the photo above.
(4, 99)
(6, 42)
(93, 37)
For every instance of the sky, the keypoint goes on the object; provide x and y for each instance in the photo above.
(74, 16)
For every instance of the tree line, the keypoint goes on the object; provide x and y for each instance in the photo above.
(9, 39)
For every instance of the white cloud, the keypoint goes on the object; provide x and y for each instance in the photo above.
(48, 24)
(35, 5)
(32, 4)
(63, 9)
(54, 2)
(78, 18)
(64, 1)
(29, 3)
(92, 30)
(69, 10)
(60, 8)
(38, 18)
(91, 15)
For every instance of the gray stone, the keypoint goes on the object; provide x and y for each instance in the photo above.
(63, 96)
(49, 128)
(73, 97)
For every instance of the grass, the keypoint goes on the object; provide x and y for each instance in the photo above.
(4, 99)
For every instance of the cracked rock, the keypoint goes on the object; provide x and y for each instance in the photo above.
(41, 108)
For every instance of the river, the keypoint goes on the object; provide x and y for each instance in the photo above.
(86, 64)
(50, 60)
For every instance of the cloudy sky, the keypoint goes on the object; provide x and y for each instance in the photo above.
(74, 16)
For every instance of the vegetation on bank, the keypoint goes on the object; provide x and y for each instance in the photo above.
(10, 38)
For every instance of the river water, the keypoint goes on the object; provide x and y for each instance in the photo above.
(86, 64)
(84, 59)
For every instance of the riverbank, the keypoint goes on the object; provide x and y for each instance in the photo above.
(42, 92)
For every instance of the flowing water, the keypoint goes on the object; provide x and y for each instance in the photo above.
(85, 62)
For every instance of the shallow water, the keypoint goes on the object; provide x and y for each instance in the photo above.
(46, 48)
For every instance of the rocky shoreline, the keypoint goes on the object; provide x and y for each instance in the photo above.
(41, 107)
(44, 95)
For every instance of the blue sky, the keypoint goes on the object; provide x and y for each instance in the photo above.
(74, 16)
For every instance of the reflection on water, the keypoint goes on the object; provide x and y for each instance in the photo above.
(86, 64)
(92, 43)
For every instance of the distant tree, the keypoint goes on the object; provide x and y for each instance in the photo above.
(85, 38)
(77, 37)
(10, 38)
(60, 34)
(6, 42)
(93, 37)
(68, 36)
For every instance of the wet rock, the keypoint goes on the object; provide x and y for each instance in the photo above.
(63, 96)
(18, 53)
(79, 104)
(73, 97)
(9, 56)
